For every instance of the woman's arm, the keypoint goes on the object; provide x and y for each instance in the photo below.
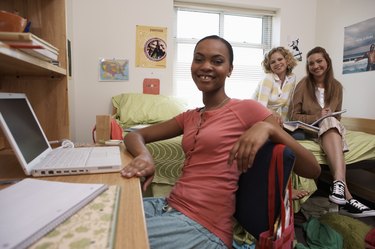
(299, 103)
(263, 96)
(245, 149)
(142, 164)
(265, 88)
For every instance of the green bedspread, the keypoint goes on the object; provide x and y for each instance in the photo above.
(361, 147)
(169, 158)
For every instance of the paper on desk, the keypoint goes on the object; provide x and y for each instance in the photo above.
(93, 226)
(31, 208)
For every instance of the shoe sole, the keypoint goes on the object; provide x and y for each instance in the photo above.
(358, 215)
(336, 200)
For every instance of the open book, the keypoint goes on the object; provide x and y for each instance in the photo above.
(310, 128)
(31, 208)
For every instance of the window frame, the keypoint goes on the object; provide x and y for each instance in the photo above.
(265, 45)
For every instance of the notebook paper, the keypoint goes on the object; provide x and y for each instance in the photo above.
(31, 208)
(92, 226)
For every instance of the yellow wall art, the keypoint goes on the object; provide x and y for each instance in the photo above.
(151, 47)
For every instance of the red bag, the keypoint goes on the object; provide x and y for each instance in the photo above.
(281, 230)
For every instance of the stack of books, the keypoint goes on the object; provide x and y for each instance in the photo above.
(31, 44)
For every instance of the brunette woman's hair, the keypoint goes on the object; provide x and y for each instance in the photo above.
(331, 85)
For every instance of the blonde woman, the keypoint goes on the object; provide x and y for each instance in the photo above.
(274, 91)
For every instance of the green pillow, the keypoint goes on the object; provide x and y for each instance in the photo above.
(137, 108)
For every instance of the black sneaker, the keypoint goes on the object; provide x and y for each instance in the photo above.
(356, 209)
(338, 193)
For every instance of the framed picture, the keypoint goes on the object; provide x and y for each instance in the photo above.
(359, 47)
(151, 47)
(113, 70)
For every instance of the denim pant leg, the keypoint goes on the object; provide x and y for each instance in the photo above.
(172, 229)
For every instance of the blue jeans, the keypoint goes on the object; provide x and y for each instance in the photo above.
(169, 228)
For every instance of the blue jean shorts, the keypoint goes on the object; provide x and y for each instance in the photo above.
(169, 228)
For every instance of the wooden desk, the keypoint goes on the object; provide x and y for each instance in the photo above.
(131, 225)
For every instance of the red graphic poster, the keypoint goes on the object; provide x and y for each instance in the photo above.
(151, 86)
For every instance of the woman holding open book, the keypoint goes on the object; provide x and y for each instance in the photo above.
(316, 95)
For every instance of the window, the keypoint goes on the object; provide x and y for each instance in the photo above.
(248, 33)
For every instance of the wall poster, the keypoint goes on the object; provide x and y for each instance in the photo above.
(151, 47)
(359, 47)
(293, 43)
(113, 70)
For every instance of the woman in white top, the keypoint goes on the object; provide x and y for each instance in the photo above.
(274, 91)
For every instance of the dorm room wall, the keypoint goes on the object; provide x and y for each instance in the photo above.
(106, 29)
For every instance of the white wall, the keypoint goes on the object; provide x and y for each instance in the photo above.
(334, 16)
(106, 29)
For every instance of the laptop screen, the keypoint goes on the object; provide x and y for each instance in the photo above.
(21, 126)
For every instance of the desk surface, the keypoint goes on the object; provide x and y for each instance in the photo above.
(131, 225)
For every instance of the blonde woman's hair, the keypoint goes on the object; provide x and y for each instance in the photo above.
(290, 60)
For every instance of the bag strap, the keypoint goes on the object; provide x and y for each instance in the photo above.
(277, 165)
(271, 191)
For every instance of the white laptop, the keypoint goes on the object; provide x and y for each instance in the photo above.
(37, 158)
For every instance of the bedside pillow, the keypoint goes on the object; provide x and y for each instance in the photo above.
(137, 108)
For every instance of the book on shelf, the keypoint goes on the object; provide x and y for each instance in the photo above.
(31, 208)
(42, 54)
(310, 128)
(31, 44)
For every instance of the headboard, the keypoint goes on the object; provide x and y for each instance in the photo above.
(359, 124)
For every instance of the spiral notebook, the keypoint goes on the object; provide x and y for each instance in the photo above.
(31, 208)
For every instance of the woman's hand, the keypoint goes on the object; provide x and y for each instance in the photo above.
(325, 111)
(278, 118)
(140, 166)
(245, 149)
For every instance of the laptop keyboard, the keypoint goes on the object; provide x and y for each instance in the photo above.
(66, 158)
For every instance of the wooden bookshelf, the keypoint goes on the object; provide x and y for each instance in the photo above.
(45, 84)
(16, 62)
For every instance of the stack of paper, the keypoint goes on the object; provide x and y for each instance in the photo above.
(137, 127)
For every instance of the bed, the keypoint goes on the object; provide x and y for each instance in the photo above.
(132, 109)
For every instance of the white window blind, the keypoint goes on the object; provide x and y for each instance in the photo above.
(249, 33)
